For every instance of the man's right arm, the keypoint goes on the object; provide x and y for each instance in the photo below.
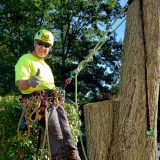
(23, 84)
(26, 84)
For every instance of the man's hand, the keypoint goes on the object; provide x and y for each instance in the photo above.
(34, 80)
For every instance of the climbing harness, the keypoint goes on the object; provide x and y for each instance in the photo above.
(36, 106)
(149, 131)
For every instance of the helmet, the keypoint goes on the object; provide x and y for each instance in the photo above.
(45, 36)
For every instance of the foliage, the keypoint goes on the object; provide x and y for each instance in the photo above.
(74, 120)
(78, 28)
(9, 113)
(12, 148)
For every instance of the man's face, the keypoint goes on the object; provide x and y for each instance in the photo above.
(42, 49)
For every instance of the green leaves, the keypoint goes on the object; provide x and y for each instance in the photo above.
(74, 120)
(112, 4)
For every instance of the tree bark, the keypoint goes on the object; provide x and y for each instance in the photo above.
(128, 133)
(100, 118)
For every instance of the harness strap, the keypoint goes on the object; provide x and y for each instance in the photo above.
(46, 137)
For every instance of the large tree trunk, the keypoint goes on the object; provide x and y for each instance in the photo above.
(129, 140)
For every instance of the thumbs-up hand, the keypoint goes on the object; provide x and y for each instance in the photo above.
(34, 80)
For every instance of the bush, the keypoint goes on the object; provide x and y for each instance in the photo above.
(10, 147)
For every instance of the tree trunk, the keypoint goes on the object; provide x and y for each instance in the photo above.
(100, 118)
(128, 133)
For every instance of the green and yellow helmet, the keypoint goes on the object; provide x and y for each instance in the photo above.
(45, 36)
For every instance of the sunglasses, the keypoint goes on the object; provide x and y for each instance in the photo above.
(43, 44)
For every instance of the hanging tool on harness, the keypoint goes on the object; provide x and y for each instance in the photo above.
(29, 105)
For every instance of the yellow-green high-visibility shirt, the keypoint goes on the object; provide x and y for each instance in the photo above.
(27, 66)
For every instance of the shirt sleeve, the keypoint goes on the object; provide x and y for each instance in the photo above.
(22, 69)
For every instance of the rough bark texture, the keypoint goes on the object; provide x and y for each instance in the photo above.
(100, 118)
(125, 139)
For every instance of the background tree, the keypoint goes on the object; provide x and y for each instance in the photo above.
(80, 24)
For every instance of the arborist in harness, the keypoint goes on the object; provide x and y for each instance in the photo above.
(35, 80)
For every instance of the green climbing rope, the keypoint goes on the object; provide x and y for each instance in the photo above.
(89, 58)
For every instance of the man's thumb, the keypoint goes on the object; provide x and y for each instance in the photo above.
(38, 72)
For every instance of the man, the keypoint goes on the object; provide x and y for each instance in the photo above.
(32, 76)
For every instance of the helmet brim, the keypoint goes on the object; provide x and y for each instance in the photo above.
(37, 40)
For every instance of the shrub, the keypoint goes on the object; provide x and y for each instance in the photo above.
(12, 148)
